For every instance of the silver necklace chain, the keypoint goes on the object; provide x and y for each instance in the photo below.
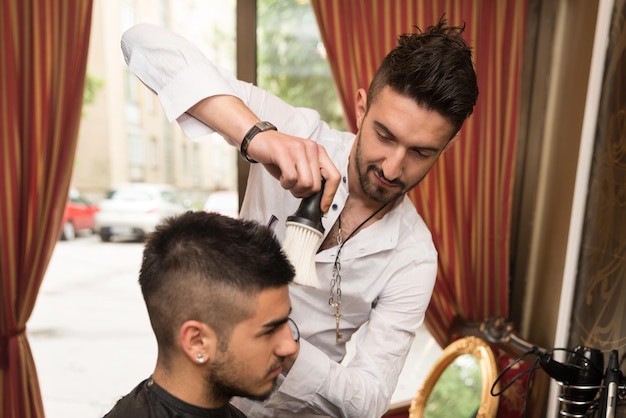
(335, 283)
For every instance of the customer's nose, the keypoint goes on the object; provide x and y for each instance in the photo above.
(286, 344)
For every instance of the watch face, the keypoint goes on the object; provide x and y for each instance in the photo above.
(264, 126)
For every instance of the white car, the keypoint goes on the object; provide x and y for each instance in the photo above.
(225, 202)
(134, 210)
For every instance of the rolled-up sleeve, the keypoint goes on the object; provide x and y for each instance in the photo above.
(178, 72)
(181, 76)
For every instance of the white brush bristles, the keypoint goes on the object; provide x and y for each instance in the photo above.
(300, 245)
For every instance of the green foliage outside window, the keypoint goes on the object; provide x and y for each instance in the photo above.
(92, 85)
(291, 58)
(457, 391)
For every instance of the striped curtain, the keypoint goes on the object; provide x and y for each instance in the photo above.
(42, 71)
(466, 199)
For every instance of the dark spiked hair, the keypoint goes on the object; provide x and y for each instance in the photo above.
(433, 67)
(208, 267)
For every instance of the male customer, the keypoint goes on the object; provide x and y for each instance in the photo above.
(377, 262)
(216, 290)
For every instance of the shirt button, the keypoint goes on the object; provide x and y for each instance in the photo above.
(344, 179)
(334, 206)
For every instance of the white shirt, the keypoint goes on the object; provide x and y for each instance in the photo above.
(388, 269)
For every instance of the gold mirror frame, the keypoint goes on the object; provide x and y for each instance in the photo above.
(488, 368)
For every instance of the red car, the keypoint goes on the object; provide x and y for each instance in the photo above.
(79, 216)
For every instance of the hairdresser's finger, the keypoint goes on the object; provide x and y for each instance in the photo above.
(332, 177)
(277, 151)
(310, 176)
(313, 153)
(290, 165)
(309, 179)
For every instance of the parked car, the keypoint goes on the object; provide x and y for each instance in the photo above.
(225, 202)
(134, 210)
(78, 216)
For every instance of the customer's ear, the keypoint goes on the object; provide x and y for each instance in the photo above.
(198, 341)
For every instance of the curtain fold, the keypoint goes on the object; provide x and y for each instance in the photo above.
(466, 199)
(42, 73)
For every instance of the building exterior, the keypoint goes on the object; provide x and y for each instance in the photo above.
(124, 134)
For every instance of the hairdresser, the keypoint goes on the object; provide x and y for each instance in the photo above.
(377, 262)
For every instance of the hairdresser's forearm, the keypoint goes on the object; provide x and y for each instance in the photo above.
(297, 163)
(227, 115)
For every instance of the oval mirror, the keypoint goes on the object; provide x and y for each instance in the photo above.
(459, 383)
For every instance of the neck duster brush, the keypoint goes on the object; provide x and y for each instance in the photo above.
(302, 238)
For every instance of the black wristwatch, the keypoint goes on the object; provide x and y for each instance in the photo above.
(257, 128)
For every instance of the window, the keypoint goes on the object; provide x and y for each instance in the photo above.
(291, 59)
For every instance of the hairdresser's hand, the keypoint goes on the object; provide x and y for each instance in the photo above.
(299, 164)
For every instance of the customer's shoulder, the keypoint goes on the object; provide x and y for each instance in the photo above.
(235, 412)
(132, 405)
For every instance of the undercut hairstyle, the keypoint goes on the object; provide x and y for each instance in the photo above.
(208, 267)
(434, 68)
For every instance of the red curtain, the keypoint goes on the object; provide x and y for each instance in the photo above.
(42, 72)
(466, 199)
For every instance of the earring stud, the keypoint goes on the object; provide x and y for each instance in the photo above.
(200, 358)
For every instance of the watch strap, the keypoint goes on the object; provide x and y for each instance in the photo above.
(256, 128)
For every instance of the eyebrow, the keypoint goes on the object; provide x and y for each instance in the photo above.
(382, 127)
(276, 322)
(379, 125)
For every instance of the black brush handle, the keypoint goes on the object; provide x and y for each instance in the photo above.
(309, 212)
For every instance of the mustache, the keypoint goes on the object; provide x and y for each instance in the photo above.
(279, 363)
(379, 172)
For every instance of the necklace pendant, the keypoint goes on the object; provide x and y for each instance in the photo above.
(337, 315)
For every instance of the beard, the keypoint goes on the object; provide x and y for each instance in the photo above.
(225, 379)
(370, 189)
